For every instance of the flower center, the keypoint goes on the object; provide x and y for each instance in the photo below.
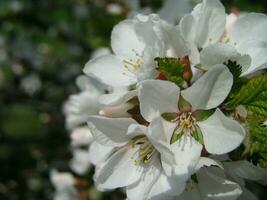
(186, 125)
(187, 120)
(133, 65)
(145, 152)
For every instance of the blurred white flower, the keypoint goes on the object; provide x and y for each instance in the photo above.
(64, 184)
(31, 84)
(80, 162)
(79, 106)
(81, 136)
(114, 9)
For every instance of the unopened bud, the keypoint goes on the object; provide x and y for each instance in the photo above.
(116, 111)
(187, 74)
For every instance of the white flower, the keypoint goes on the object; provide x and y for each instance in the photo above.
(240, 170)
(79, 106)
(136, 43)
(64, 185)
(204, 26)
(211, 183)
(173, 10)
(136, 161)
(215, 38)
(220, 133)
(248, 37)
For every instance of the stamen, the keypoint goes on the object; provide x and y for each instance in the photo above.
(186, 125)
(145, 152)
(132, 66)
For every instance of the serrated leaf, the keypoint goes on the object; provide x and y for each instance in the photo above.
(234, 68)
(172, 69)
(253, 95)
(249, 92)
(258, 107)
(258, 138)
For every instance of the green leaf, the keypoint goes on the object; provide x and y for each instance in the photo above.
(259, 108)
(253, 95)
(234, 68)
(172, 69)
(258, 138)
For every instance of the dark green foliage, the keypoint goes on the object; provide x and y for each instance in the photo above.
(258, 138)
(236, 71)
(172, 69)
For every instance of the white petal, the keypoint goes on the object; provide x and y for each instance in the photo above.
(246, 170)
(172, 10)
(248, 35)
(110, 71)
(257, 51)
(250, 26)
(191, 193)
(141, 189)
(117, 98)
(207, 162)
(247, 195)
(211, 89)
(157, 96)
(98, 153)
(221, 134)
(210, 22)
(109, 131)
(188, 27)
(157, 135)
(165, 188)
(136, 129)
(125, 41)
(213, 185)
(206, 23)
(187, 153)
(79, 106)
(118, 171)
(221, 53)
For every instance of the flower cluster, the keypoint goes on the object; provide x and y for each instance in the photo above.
(162, 112)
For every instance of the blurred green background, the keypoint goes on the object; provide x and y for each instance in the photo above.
(44, 45)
